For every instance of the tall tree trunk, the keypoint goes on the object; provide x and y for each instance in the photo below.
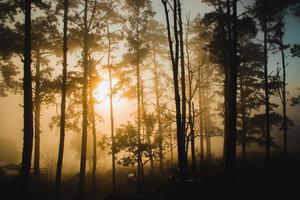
(93, 123)
(174, 54)
(63, 105)
(200, 102)
(183, 91)
(138, 85)
(158, 111)
(27, 100)
(285, 127)
(266, 88)
(206, 127)
(148, 138)
(193, 148)
(191, 113)
(114, 186)
(232, 113)
(243, 117)
(37, 115)
(81, 189)
(171, 144)
(226, 89)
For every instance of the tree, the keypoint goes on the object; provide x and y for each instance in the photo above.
(84, 105)
(174, 57)
(28, 107)
(113, 37)
(43, 46)
(139, 14)
(63, 103)
(127, 145)
(157, 42)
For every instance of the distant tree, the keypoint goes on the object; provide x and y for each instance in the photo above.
(139, 14)
(157, 43)
(43, 46)
(128, 147)
(113, 38)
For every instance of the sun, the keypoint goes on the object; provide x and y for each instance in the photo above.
(102, 92)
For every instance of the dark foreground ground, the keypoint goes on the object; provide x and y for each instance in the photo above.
(251, 183)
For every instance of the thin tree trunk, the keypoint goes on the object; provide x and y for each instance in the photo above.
(138, 85)
(171, 144)
(93, 123)
(183, 90)
(111, 110)
(63, 105)
(158, 110)
(37, 114)
(193, 148)
(27, 100)
(147, 130)
(81, 189)
(175, 62)
(200, 102)
(285, 127)
(266, 88)
(243, 119)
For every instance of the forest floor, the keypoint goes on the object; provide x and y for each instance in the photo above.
(251, 183)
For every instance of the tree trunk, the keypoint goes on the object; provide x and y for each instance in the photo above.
(111, 111)
(37, 114)
(200, 102)
(183, 91)
(81, 189)
(143, 108)
(193, 148)
(232, 113)
(63, 105)
(138, 85)
(158, 110)
(266, 88)
(93, 123)
(206, 128)
(285, 126)
(243, 117)
(226, 89)
(171, 144)
(175, 62)
(27, 100)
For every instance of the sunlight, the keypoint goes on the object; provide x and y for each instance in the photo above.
(101, 94)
